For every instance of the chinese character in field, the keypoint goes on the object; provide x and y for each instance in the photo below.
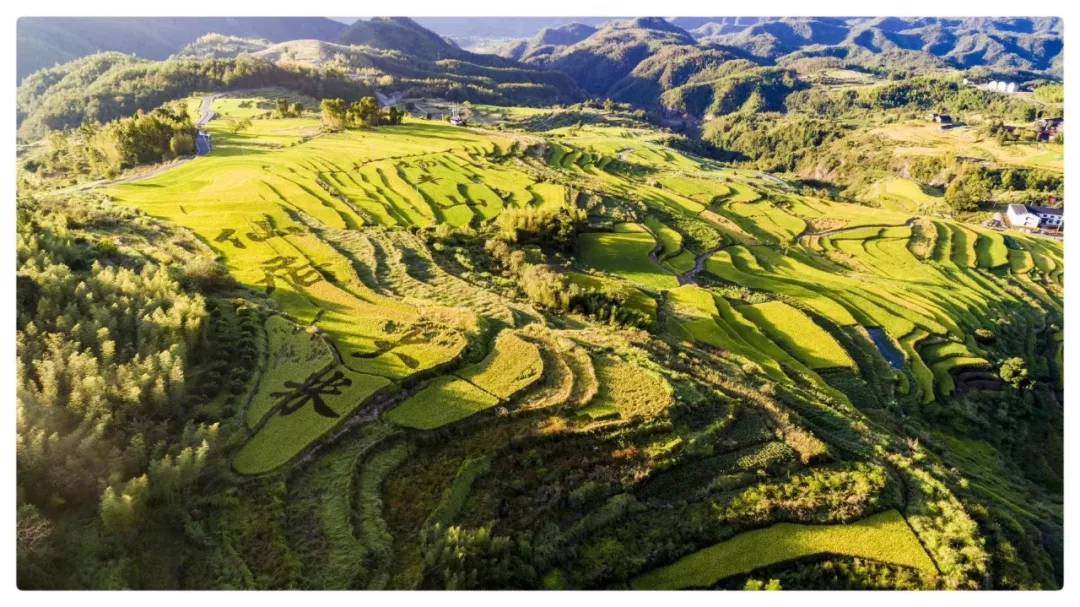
(312, 390)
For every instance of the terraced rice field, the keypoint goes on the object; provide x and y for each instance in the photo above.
(906, 196)
(294, 355)
(306, 412)
(377, 328)
(799, 334)
(882, 537)
(259, 199)
(881, 283)
(444, 401)
(512, 365)
(625, 254)
(627, 391)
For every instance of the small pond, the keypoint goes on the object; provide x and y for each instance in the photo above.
(886, 347)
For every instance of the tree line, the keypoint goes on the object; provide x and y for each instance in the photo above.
(77, 93)
(338, 115)
(103, 150)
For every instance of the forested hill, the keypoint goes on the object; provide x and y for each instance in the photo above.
(46, 41)
(1003, 43)
(1033, 44)
(390, 54)
(1006, 43)
(709, 65)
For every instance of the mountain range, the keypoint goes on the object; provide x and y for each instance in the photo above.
(598, 58)
(695, 67)
(1018, 43)
(1004, 43)
(42, 42)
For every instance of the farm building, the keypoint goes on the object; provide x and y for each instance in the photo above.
(941, 118)
(1027, 216)
(1048, 128)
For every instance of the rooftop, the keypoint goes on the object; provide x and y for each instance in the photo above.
(1020, 209)
(1045, 210)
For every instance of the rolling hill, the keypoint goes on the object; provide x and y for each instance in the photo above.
(421, 356)
(547, 41)
(393, 55)
(612, 52)
(46, 41)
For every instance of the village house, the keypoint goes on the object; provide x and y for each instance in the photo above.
(1028, 216)
(1048, 128)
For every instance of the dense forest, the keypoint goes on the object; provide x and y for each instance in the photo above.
(110, 324)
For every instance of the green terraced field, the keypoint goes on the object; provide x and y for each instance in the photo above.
(627, 391)
(791, 327)
(904, 195)
(370, 252)
(307, 411)
(626, 255)
(444, 401)
(671, 241)
(568, 346)
(882, 537)
(294, 355)
(261, 197)
(512, 365)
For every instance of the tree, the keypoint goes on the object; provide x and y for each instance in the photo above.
(122, 510)
(238, 125)
(281, 107)
(334, 114)
(967, 191)
(1014, 372)
(753, 584)
(181, 143)
(297, 109)
(392, 115)
(32, 531)
(369, 111)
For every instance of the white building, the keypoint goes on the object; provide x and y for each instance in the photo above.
(1027, 216)
(1001, 86)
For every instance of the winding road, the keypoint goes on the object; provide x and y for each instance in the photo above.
(206, 114)
(206, 110)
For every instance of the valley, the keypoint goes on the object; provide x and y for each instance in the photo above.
(496, 345)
